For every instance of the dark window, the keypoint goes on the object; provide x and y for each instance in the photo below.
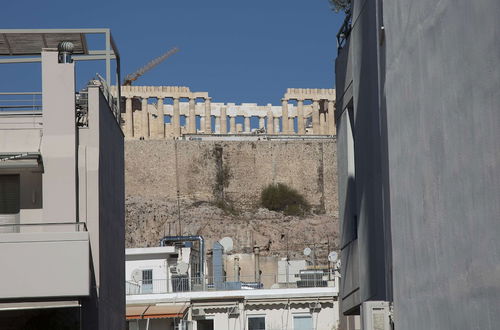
(9, 194)
(257, 323)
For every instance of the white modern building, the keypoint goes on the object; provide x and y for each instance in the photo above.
(162, 293)
(61, 188)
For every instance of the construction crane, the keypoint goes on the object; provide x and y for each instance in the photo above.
(129, 79)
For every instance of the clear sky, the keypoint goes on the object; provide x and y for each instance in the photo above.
(237, 51)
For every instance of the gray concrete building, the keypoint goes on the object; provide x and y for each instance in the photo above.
(418, 131)
(61, 189)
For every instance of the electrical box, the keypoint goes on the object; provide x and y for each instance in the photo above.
(375, 315)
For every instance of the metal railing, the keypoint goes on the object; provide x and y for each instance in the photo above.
(208, 283)
(15, 101)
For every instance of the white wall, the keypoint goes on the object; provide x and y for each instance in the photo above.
(277, 317)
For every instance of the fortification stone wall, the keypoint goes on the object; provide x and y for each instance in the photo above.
(230, 170)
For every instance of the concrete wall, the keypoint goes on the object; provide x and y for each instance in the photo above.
(442, 83)
(426, 127)
(101, 206)
(111, 219)
(362, 181)
(205, 170)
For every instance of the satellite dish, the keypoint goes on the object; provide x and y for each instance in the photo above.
(136, 275)
(333, 256)
(307, 251)
(227, 243)
(182, 267)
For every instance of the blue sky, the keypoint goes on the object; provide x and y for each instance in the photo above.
(238, 51)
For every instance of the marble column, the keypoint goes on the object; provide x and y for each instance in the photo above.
(129, 118)
(332, 129)
(247, 124)
(284, 113)
(217, 125)
(202, 123)
(192, 116)
(208, 116)
(223, 120)
(315, 118)
(270, 121)
(300, 117)
(144, 119)
(262, 122)
(291, 125)
(323, 124)
(176, 118)
(232, 124)
(160, 120)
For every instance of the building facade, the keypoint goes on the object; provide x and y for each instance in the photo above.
(61, 192)
(419, 161)
(164, 292)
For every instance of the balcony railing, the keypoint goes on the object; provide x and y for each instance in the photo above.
(195, 284)
(15, 101)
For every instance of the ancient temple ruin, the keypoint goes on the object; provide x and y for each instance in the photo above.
(148, 114)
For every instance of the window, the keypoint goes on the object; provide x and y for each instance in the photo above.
(256, 323)
(147, 281)
(9, 194)
(302, 322)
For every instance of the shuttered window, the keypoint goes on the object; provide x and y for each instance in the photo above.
(304, 322)
(9, 194)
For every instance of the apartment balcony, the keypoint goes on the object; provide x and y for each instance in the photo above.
(196, 284)
(44, 260)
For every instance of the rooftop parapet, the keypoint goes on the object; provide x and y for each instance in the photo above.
(26, 46)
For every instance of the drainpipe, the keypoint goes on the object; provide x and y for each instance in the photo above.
(168, 239)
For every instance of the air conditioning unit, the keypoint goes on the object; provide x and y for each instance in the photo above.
(375, 315)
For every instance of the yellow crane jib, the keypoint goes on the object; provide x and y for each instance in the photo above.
(134, 76)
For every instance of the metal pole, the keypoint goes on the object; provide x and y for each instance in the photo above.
(108, 58)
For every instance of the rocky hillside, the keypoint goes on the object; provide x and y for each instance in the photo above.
(148, 220)
(204, 173)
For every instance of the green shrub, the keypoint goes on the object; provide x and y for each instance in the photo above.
(280, 197)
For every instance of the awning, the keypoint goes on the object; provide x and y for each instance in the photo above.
(156, 311)
(33, 43)
(20, 160)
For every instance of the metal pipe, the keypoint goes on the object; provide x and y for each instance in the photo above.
(190, 238)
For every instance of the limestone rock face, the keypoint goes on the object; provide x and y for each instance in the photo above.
(148, 220)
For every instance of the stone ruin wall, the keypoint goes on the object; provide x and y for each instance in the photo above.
(145, 107)
(203, 170)
(160, 166)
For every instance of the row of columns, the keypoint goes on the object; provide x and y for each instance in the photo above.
(150, 127)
